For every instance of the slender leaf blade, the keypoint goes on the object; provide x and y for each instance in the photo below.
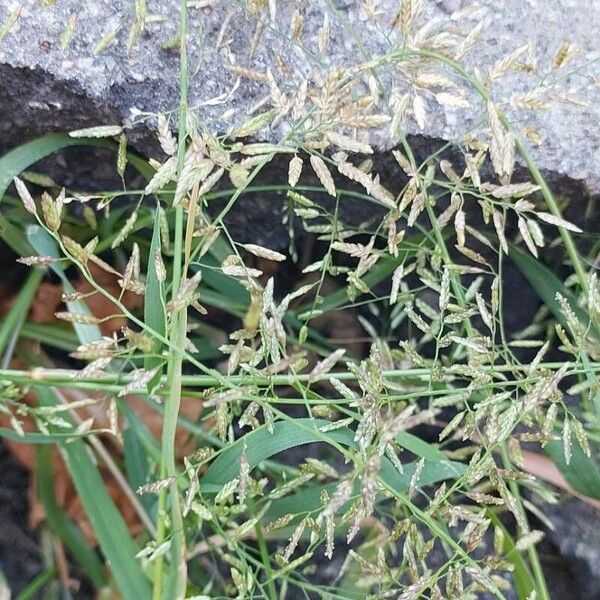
(61, 525)
(116, 544)
(154, 299)
(261, 445)
(45, 245)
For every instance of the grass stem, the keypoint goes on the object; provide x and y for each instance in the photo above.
(177, 581)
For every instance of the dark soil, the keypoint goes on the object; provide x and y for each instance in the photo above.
(20, 556)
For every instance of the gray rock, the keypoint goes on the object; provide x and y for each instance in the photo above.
(577, 539)
(43, 87)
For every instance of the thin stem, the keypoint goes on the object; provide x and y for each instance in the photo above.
(38, 584)
(178, 570)
(266, 560)
(65, 377)
(441, 243)
(534, 558)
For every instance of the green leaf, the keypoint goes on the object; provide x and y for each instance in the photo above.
(260, 445)
(136, 465)
(22, 157)
(13, 237)
(20, 308)
(582, 472)
(142, 433)
(61, 525)
(108, 524)
(547, 285)
(233, 291)
(45, 245)
(309, 499)
(522, 577)
(419, 448)
(35, 587)
(113, 536)
(52, 335)
(154, 302)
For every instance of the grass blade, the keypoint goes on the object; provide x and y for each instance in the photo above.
(61, 525)
(547, 285)
(33, 589)
(113, 536)
(136, 465)
(522, 577)
(44, 245)
(260, 445)
(22, 157)
(154, 301)
(20, 308)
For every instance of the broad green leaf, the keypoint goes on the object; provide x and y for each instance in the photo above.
(260, 445)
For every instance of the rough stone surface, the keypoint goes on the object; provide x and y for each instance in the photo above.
(577, 539)
(43, 87)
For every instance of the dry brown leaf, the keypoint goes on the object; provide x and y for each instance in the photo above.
(46, 302)
(542, 467)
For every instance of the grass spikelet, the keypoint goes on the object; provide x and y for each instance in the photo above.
(126, 230)
(294, 170)
(100, 131)
(322, 172)
(25, 196)
(263, 252)
(139, 380)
